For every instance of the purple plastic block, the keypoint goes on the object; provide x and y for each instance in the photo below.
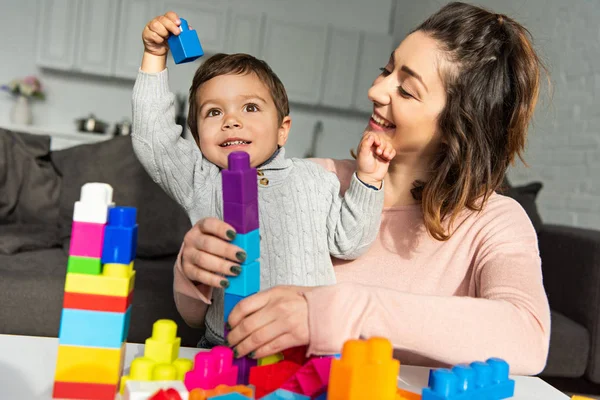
(243, 365)
(243, 217)
(212, 368)
(239, 179)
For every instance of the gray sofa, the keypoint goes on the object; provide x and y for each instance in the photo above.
(33, 273)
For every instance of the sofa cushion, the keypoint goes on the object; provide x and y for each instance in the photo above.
(526, 196)
(162, 222)
(569, 348)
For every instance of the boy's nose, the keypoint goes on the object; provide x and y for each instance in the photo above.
(231, 123)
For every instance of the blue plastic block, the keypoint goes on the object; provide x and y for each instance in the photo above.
(479, 380)
(186, 46)
(244, 364)
(230, 301)
(120, 236)
(282, 394)
(247, 282)
(94, 328)
(250, 242)
(229, 396)
(322, 397)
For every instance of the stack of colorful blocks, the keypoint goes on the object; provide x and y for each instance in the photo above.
(97, 299)
(240, 210)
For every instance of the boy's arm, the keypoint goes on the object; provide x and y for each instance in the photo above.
(354, 219)
(173, 162)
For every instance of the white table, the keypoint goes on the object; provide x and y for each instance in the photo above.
(27, 371)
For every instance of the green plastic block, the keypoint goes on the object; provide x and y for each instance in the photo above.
(84, 265)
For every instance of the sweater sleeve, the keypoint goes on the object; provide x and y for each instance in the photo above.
(509, 318)
(354, 218)
(174, 163)
(191, 300)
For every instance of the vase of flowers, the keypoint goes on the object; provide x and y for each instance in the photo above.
(24, 90)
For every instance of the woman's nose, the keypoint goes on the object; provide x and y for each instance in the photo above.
(380, 93)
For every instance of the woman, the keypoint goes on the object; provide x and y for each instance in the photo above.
(455, 274)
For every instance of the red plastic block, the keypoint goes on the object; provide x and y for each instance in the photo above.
(296, 355)
(97, 302)
(87, 239)
(212, 368)
(268, 378)
(311, 379)
(83, 391)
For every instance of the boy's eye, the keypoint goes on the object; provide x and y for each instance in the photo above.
(384, 71)
(213, 112)
(251, 107)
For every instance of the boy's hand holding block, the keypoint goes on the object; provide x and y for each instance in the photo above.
(186, 46)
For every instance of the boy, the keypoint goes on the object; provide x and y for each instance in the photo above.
(237, 103)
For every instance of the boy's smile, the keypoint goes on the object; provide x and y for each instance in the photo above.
(237, 113)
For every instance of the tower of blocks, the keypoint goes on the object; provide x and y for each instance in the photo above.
(97, 298)
(240, 210)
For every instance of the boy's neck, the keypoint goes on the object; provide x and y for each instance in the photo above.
(277, 151)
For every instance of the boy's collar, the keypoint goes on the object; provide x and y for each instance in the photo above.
(276, 161)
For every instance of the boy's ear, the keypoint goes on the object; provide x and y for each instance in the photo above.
(284, 130)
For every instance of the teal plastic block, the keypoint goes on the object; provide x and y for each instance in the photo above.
(247, 282)
(250, 242)
(282, 394)
(94, 328)
(231, 301)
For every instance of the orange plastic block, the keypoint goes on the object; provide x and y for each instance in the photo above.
(97, 302)
(83, 391)
(89, 364)
(402, 394)
(366, 370)
(201, 394)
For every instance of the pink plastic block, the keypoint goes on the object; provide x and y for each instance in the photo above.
(311, 379)
(87, 239)
(212, 368)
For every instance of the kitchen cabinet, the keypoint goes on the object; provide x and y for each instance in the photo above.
(246, 33)
(58, 25)
(97, 34)
(296, 52)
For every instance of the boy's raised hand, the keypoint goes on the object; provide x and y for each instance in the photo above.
(373, 159)
(157, 31)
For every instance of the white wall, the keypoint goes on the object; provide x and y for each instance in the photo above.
(72, 96)
(564, 141)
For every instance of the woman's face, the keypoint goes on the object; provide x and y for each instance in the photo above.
(408, 97)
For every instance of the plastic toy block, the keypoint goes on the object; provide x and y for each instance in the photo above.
(247, 282)
(186, 46)
(478, 380)
(120, 236)
(269, 378)
(402, 394)
(84, 265)
(83, 391)
(201, 394)
(231, 396)
(366, 370)
(212, 368)
(163, 345)
(575, 397)
(296, 354)
(94, 201)
(244, 364)
(239, 179)
(282, 394)
(250, 242)
(143, 390)
(183, 365)
(311, 379)
(116, 280)
(86, 239)
(324, 397)
(89, 364)
(229, 303)
(273, 359)
(97, 302)
(93, 328)
(243, 217)
(167, 394)
(146, 369)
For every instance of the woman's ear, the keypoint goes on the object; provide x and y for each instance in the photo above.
(284, 130)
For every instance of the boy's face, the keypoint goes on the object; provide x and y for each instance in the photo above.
(237, 113)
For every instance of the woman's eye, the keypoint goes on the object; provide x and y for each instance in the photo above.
(403, 92)
(213, 113)
(251, 108)
(384, 71)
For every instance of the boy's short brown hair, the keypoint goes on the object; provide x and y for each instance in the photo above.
(236, 64)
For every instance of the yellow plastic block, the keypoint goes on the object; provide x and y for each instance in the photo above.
(366, 370)
(116, 280)
(274, 359)
(163, 346)
(580, 398)
(183, 365)
(89, 364)
(146, 369)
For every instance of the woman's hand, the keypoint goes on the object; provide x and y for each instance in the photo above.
(207, 256)
(269, 322)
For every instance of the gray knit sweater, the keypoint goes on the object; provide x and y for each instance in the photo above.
(303, 219)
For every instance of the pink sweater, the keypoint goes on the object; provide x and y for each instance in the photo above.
(475, 296)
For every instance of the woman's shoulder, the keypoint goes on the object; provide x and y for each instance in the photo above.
(503, 214)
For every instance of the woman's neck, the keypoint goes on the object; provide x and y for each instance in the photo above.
(403, 172)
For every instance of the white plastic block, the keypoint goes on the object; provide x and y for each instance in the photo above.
(143, 390)
(93, 204)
